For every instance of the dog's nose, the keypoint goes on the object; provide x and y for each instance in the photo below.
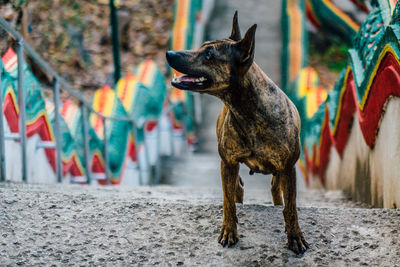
(170, 55)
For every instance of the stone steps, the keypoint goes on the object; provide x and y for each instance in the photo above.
(92, 225)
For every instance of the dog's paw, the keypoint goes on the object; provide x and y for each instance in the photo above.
(297, 243)
(228, 236)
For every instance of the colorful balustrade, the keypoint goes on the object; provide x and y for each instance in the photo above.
(351, 141)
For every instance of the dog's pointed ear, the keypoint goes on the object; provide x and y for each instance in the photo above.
(235, 34)
(246, 46)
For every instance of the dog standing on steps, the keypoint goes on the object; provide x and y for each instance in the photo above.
(258, 126)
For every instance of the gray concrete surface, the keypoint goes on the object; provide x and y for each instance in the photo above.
(67, 225)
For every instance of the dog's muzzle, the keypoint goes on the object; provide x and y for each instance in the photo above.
(191, 79)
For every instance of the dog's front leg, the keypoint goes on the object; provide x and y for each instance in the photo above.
(229, 175)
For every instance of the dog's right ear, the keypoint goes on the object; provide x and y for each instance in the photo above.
(235, 34)
(246, 47)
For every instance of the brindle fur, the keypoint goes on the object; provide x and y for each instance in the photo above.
(258, 126)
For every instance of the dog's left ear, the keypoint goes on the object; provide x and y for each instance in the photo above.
(235, 34)
(246, 47)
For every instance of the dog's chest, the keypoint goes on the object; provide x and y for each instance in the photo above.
(236, 147)
(262, 150)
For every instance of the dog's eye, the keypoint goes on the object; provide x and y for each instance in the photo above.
(208, 54)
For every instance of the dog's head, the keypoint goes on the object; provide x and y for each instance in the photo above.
(215, 65)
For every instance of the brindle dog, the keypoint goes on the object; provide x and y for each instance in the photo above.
(258, 126)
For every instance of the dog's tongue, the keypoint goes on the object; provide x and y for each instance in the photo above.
(187, 79)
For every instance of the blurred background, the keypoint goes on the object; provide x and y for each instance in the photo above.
(85, 99)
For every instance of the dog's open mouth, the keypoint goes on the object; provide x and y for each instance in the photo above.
(190, 82)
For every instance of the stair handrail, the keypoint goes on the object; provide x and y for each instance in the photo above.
(47, 68)
(58, 81)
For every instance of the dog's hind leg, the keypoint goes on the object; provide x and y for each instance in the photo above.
(229, 174)
(296, 241)
(276, 190)
(239, 190)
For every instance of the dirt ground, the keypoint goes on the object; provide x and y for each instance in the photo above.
(77, 225)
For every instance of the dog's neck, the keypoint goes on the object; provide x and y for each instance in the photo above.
(246, 97)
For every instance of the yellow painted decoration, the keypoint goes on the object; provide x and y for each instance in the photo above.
(145, 72)
(296, 37)
(103, 102)
(126, 89)
(308, 78)
(342, 15)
